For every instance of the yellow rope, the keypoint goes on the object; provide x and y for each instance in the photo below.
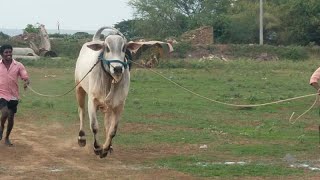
(314, 103)
(229, 104)
(243, 105)
(46, 95)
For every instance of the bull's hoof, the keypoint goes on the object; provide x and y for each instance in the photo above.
(110, 149)
(105, 152)
(97, 148)
(82, 141)
(82, 138)
(97, 151)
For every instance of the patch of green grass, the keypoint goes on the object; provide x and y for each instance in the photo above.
(60, 62)
(164, 113)
(173, 136)
(262, 150)
(204, 168)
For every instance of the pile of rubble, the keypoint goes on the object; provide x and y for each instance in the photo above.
(200, 36)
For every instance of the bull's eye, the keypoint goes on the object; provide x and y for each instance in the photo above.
(107, 49)
(124, 49)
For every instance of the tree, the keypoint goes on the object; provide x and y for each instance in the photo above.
(4, 36)
(157, 18)
(127, 28)
(234, 21)
(163, 18)
(241, 23)
(31, 29)
(81, 35)
(301, 22)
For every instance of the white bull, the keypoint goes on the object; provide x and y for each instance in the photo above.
(107, 85)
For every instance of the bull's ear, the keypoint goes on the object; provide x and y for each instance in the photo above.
(133, 46)
(96, 46)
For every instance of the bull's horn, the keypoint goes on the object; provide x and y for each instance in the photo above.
(97, 35)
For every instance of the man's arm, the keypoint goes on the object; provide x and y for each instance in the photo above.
(24, 76)
(314, 79)
(315, 85)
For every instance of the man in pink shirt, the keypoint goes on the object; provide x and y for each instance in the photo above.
(10, 71)
(314, 79)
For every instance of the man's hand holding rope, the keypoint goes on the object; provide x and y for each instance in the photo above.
(26, 84)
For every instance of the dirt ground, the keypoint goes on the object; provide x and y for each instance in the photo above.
(43, 154)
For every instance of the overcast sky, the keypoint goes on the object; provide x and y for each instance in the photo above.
(71, 14)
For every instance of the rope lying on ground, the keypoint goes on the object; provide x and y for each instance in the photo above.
(243, 105)
(305, 112)
(229, 104)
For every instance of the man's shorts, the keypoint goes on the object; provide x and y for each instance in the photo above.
(12, 104)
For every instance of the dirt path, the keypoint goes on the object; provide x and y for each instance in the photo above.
(41, 154)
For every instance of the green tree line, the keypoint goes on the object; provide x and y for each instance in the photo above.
(286, 22)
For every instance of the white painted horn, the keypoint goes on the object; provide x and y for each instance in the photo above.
(97, 35)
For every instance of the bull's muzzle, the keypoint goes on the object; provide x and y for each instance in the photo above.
(117, 73)
(118, 70)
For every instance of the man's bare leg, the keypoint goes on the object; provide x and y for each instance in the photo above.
(4, 116)
(9, 128)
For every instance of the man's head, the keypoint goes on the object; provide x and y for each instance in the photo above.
(4, 47)
(6, 51)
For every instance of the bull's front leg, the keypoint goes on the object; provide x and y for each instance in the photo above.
(92, 112)
(111, 120)
(80, 94)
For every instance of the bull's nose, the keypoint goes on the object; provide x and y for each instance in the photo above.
(118, 69)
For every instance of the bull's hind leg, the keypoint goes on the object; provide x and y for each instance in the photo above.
(81, 95)
(92, 111)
